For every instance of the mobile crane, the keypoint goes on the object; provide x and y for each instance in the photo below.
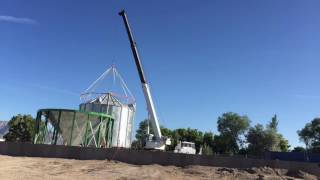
(156, 141)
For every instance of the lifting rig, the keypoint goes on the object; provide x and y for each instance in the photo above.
(156, 141)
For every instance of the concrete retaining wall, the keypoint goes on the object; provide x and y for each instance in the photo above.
(140, 157)
(294, 156)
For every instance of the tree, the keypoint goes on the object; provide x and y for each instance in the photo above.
(231, 127)
(279, 143)
(284, 144)
(256, 138)
(233, 124)
(260, 139)
(166, 132)
(224, 144)
(272, 140)
(299, 149)
(21, 129)
(207, 150)
(207, 139)
(310, 135)
(142, 131)
(207, 143)
(136, 144)
(141, 135)
(274, 123)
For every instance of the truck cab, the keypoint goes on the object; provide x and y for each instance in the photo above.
(185, 147)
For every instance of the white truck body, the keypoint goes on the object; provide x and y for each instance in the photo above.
(185, 148)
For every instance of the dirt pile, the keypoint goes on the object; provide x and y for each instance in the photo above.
(64, 169)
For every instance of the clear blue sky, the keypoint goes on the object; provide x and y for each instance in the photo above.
(202, 58)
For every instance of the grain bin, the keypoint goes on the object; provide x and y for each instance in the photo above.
(109, 94)
(123, 114)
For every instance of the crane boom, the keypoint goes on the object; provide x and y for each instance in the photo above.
(145, 86)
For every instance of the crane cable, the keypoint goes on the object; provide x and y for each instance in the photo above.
(116, 76)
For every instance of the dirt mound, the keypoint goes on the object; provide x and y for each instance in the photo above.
(64, 169)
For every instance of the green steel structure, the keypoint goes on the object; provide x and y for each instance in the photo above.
(73, 128)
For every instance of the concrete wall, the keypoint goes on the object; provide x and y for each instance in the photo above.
(140, 157)
(294, 156)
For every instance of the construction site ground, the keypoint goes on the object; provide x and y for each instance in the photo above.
(68, 169)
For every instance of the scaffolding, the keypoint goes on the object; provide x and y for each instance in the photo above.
(73, 128)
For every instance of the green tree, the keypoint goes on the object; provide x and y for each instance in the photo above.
(166, 132)
(260, 139)
(284, 144)
(278, 143)
(208, 139)
(142, 131)
(299, 149)
(274, 123)
(21, 129)
(206, 150)
(256, 138)
(224, 144)
(141, 135)
(231, 127)
(310, 135)
(272, 140)
(136, 144)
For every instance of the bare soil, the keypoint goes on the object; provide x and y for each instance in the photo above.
(66, 169)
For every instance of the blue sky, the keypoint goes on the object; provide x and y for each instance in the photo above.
(202, 58)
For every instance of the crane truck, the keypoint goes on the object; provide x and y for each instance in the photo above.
(153, 141)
